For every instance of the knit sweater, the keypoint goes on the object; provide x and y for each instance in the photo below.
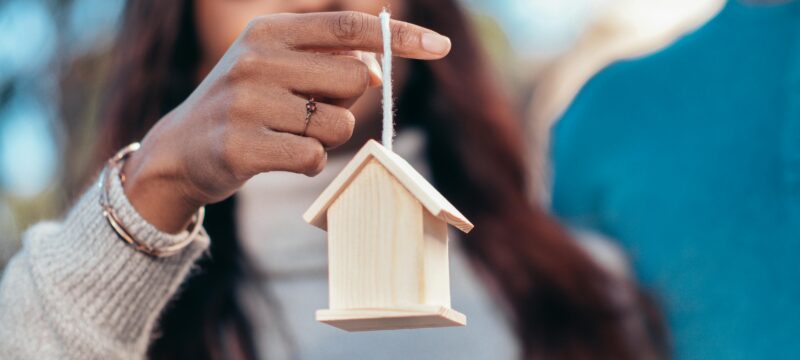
(76, 291)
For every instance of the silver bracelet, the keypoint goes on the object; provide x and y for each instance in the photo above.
(121, 230)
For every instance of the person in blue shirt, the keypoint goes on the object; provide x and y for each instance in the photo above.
(690, 159)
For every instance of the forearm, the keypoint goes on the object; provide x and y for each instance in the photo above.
(77, 291)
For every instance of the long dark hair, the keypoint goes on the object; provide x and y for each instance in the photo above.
(560, 302)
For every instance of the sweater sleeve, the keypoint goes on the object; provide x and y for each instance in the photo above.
(76, 291)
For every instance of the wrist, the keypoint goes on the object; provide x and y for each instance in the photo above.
(157, 191)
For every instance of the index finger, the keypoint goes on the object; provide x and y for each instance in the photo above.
(350, 30)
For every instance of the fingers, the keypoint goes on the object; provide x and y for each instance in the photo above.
(330, 125)
(281, 151)
(370, 60)
(331, 76)
(342, 76)
(349, 30)
(375, 70)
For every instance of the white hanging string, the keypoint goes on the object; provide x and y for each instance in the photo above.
(388, 123)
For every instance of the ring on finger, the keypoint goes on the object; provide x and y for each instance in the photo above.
(311, 108)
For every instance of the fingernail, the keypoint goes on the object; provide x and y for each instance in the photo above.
(435, 43)
(374, 68)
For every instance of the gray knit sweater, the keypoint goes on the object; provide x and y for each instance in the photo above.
(76, 291)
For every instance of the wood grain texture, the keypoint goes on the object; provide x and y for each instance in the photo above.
(410, 317)
(436, 261)
(388, 261)
(387, 246)
(402, 171)
(375, 244)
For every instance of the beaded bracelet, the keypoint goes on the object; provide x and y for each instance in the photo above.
(122, 232)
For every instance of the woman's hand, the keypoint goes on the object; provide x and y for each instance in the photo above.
(248, 115)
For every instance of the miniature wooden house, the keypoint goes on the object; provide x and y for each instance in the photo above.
(387, 246)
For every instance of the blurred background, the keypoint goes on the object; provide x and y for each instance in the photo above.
(53, 58)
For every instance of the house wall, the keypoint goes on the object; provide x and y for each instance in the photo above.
(376, 244)
(436, 269)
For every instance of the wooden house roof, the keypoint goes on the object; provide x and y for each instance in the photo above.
(405, 174)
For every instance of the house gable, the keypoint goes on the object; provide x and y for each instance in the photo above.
(376, 243)
(402, 171)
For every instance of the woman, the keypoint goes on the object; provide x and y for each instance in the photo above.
(203, 139)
